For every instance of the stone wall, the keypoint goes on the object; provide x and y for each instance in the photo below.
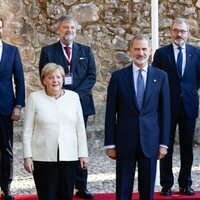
(105, 25)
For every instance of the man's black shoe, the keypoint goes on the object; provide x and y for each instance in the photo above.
(8, 196)
(187, 190)
(166, 191)
(84, 194)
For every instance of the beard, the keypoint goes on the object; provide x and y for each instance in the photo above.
(179, 41)
(69, 38)
(140, 61)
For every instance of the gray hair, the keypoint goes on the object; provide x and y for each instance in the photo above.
(139, 37)
(65, 18)
(180, 21)
(2, 22)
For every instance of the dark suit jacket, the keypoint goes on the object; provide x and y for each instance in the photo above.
(186, 86)
(125, 125)
(83, 68)
(11, 67)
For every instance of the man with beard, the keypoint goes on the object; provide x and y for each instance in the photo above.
(12, 99)
(182, 64)
(137, 124)
(80, 76)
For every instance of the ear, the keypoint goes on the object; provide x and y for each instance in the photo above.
(150, 51)
(57, 31)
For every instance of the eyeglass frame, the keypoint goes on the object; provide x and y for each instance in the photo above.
(177, 31)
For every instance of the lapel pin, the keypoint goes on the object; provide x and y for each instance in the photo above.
(154, 80)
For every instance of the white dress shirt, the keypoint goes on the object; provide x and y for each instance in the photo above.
(70, 47)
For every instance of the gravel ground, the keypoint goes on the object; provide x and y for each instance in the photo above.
(101, 172)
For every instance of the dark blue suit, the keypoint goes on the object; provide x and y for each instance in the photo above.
(84, 78)
(10, 68)
(184, 110)
(137, 134)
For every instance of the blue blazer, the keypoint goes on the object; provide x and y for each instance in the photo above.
(83, 68)
(125, 124)
(186, 86)
(11, 68)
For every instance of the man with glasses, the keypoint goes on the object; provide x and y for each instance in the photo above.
(182, 64)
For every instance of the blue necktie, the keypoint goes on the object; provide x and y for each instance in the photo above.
(179, 61)
(140, 88)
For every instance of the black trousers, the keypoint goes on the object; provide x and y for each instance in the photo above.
(6, 152)
(186, 137)
(81, 174)
(55, 180)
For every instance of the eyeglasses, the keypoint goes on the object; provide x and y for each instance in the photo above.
(177, 31)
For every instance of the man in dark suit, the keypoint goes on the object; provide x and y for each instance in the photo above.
(11, 101)
(79, 65)
(137, 121)
(181, 61)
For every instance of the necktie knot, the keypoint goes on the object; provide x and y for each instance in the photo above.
(180, 48)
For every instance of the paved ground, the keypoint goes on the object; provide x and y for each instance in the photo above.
(101, 172)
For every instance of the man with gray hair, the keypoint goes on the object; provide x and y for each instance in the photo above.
(182, 64)
(80, 76)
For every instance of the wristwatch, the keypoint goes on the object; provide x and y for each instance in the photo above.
(18, 106)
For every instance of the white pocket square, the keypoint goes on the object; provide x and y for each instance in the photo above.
(81, 58)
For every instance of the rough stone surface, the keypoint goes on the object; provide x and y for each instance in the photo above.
(105, 25)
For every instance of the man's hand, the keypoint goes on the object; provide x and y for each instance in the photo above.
(16, 114)
(84, 162)
(162, 152)
(111, 153)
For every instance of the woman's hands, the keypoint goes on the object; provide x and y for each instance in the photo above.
(28, 165)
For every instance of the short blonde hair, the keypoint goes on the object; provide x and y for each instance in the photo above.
(49, 68)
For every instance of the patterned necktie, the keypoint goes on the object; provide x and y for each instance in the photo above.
(140, 88)
(179, 61)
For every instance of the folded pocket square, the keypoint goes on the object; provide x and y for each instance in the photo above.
(81, 58)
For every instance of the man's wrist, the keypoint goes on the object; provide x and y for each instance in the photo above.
(18, 106)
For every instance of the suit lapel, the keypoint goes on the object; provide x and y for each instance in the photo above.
(4, 57)
(128, 79)
(188, 58)
(75, 56)
(171, 58)
(151, 81)
(60, 55)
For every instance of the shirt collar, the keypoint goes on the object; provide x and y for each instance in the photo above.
(64, 45)
(176, 46)
(135, 68)
(1, 43)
